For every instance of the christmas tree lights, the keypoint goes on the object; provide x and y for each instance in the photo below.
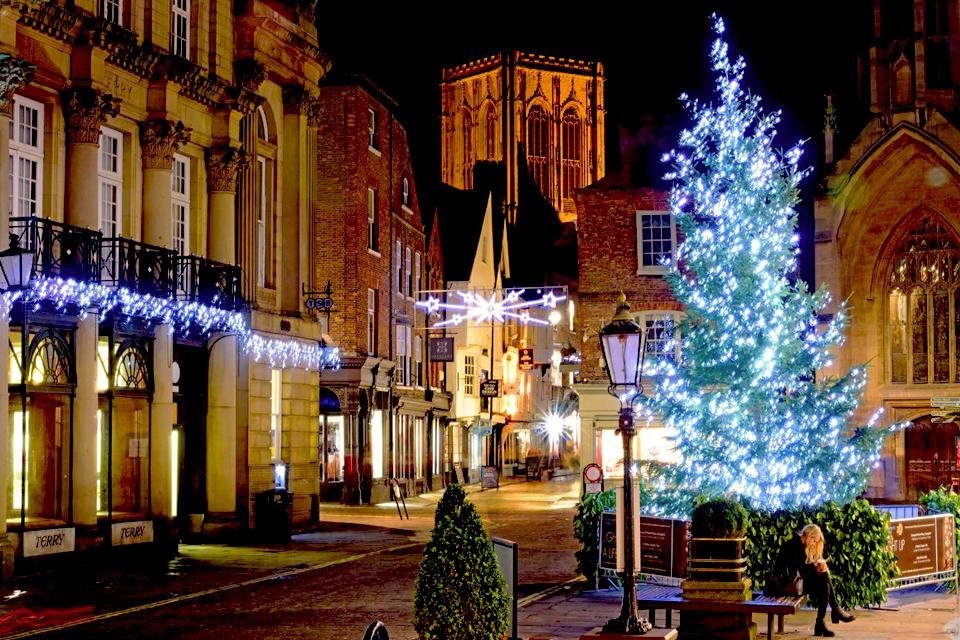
(183, 317)
(749, 416)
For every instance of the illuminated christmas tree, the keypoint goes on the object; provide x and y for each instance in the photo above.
(751, 417)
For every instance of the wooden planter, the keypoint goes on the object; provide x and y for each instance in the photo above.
(717, 570)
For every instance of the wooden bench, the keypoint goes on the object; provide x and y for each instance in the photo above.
(653, 597)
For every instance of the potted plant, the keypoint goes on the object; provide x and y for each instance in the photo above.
(460, 593)
(717, 566)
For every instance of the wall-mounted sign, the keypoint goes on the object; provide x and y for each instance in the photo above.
(138, 532)
(526, 359)
(441, 349)
(48, 541)
(592, 478)
(318, 300)
(490, 389)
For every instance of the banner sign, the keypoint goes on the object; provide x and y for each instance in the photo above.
(441, 350)
(924, 546)
(526, 359)
(662, 548)
(490, 389)
(48, 541)
(122, 533)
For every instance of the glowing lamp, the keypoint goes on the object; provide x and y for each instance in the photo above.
(621, 342)
(16, 265)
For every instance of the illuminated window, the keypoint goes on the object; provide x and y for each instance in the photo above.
(333, 438)
(469, 375)
(276, 416)
(417, 284)
(110, 181)
(490, 132)
(180, 199)
(923, 319)
(371, 321)
(407, 263)
(49, 361)
(398, 265)
(180, 28)
(662, 335)
(376, 444)
(111, 10)
(538, 147)
(372, 129)
(571, 152)
(417, 361)
(131, 369)
(26, 157)
(373, 229)
(405, 193)
(466, 160)
(656, 238)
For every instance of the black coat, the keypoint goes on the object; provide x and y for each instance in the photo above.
(792, 559)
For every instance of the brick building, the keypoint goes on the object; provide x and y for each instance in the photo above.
(888, 239)
(531, 112)
(371, 247)
(623, 230)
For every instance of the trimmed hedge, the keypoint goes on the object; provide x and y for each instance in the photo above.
(857, 544)
(719, 518)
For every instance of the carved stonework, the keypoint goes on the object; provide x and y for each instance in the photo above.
(314, 113)
(14, 73)
(296, 99)
(161, 139)
(249, 73)
(223, 163)
(86, 110)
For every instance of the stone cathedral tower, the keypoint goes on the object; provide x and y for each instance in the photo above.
(514, 107)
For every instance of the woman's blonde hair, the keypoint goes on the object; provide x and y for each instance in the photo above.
(812, 542)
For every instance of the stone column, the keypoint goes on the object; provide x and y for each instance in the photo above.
(296, 105)
(160, 140)
(85, 425)
(161, 423)
(85, 110)
(13, 74)
(222, 166)
(222, 425)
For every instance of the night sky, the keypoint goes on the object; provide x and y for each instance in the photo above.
(794, 52)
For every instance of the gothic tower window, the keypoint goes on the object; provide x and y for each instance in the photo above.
(467, 148)
(924, 307)
(570, 152)
(538, 147)
(490, 132)
(902, 82)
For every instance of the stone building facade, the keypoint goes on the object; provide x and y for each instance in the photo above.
(544, 112)
(160, 159)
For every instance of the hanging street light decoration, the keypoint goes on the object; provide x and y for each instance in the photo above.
(483, 306)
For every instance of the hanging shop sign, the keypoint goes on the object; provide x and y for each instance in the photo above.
(441, 349)
(318, 300)
(48, 541)
(526, 359)
(138, 532)
(490, 389)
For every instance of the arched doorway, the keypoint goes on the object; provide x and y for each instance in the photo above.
(931, 444)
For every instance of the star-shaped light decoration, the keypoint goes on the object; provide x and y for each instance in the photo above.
(490, 305)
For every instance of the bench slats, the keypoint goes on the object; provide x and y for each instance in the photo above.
(654, 596)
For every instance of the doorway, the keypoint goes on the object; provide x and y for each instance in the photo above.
(931, 455)
(190, 404)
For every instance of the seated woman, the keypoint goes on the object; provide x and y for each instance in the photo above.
(804, 554)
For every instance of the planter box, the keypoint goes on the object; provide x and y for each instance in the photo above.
(717, 570)
(718, 548)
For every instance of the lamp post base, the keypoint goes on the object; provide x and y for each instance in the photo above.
(628, 626)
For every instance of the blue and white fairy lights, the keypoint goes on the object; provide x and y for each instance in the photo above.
(484, 306)
(183, 317)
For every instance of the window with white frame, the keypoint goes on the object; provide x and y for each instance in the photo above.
(276, 414)
(371, 321)
(656, 239)
(408, 267)
(416, 273)
(469, 375)
(111, 10)
(180, 28)
(110, 181)
(180, 201)
(662, 334)
(418, 361)
(26, 157)
(372, 129)
(373, 241)
(403, 355)
(405, 194)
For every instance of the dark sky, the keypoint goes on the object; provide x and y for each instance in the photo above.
(794, 52)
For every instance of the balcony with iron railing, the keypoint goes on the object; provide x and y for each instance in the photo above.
(65, 251)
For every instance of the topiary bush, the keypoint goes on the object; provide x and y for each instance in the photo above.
(944, 500)
(719, 518)
(459, 593)
(586, 524)
(857, 547)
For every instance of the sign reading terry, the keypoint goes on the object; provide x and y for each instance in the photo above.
(131, 532)
(48, 541)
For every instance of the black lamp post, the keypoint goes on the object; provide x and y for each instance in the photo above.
(622, 345)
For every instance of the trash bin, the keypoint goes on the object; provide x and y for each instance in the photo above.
(274, 515)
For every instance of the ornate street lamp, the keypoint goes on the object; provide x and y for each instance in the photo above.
(622, 345)
(16, 265)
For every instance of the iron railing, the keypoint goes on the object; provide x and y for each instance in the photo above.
(137, 266)
(209, 282)
(61, 250)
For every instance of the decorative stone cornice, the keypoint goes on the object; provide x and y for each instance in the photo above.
(51, 19)
(86, 110)
(249, 73)
(223, 163)
(161, 139)
(296, 99)
(14, 73)
(314, 113)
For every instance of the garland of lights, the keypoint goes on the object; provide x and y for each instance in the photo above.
(499, 307)
(183, 317)
(747, 416)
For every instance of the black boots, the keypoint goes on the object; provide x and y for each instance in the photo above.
(820, 629)
(839, 615)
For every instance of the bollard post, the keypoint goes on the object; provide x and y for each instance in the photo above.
(376, 631)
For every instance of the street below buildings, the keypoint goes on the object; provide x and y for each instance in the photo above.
(360, 566)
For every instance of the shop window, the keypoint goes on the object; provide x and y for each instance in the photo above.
(376, 444)
(333, 448)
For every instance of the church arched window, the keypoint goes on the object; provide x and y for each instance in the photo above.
(490, 132)
(902, 82)
(538, 147)
(467, 162)
(923, 312)
(571, 152)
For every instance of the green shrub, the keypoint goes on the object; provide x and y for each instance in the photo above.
(459, 593)
(944, 500)
(857, 547)
(719, 518)
(586, 524)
